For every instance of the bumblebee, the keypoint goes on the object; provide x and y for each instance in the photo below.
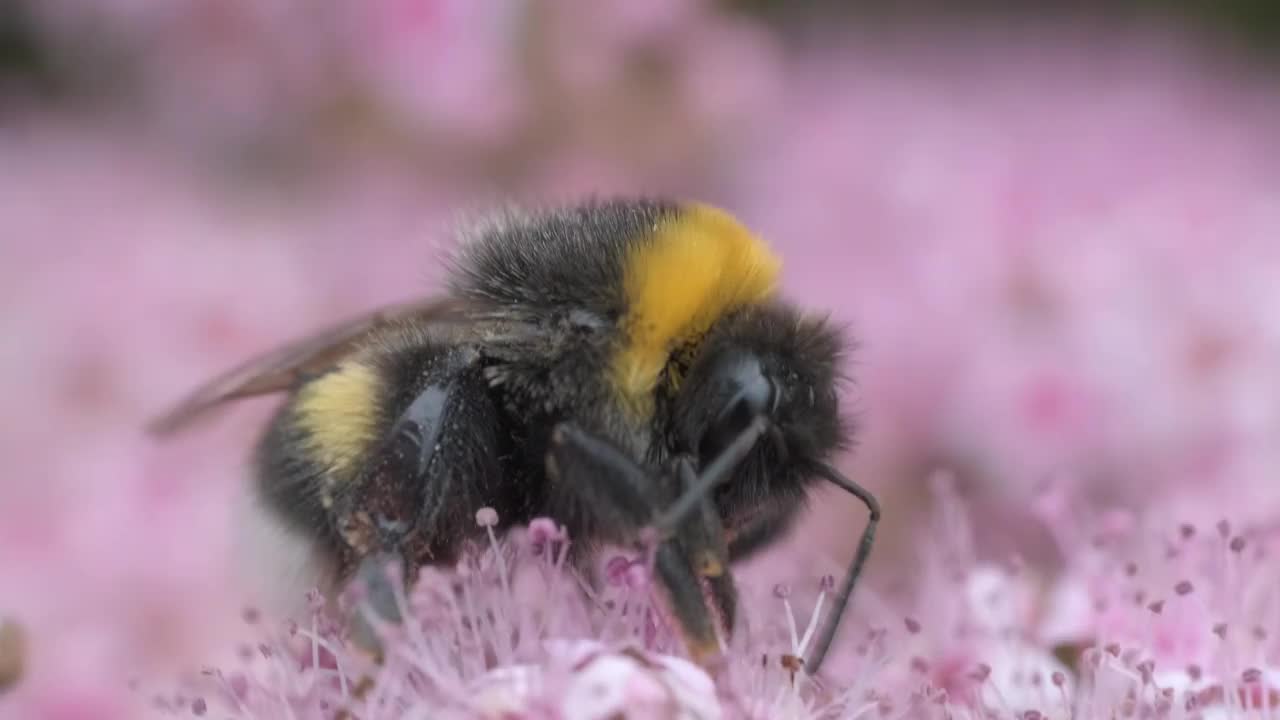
(621, 365)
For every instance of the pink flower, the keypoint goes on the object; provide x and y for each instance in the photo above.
(605, 684)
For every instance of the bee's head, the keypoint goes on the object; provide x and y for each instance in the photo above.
(770, 362)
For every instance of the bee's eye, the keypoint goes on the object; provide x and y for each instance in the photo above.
(746, 393)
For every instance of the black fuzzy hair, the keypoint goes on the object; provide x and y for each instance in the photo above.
(554, 260)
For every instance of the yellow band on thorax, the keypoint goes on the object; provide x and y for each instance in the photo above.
(699, 265)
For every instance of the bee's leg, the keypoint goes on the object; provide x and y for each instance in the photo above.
(724, 594)
(623, 496)
(415, 500)
(374, 573)
(703, 529)
(684, 591)
(704, 537)
(718, 471)
(617, 492)
(758, 530)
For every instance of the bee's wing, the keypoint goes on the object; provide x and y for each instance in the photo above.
(282, 368)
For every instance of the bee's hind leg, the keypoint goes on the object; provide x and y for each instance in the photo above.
(415, 500)
(377, 574)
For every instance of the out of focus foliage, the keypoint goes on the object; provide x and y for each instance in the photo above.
(22, 59)
(1252, 22)
(32, 60)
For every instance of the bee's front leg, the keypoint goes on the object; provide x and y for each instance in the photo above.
(625, 498)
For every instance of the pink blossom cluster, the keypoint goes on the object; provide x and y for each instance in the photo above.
(1148, 622)
(1056, 249)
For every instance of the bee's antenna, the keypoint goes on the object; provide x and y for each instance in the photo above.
(828, 634)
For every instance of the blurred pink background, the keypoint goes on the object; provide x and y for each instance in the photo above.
(1057, 244)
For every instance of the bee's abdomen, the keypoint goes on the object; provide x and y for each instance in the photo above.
(297, 475)
(400, 445)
